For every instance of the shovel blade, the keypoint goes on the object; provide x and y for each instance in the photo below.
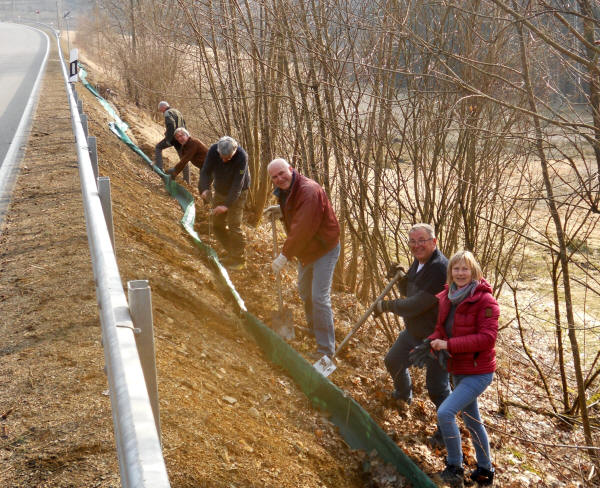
(281, 321)
(325, 366)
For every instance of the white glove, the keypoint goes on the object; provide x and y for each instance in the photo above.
(273, 211)
(278, 263)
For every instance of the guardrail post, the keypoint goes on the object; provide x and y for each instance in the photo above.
(84, 124)
(105, 200)
(140, 308)
(80, 106)
(93, 150)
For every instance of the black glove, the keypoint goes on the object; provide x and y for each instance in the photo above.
(393, 269)
(419, 355)
(442, 358)
(380, 307)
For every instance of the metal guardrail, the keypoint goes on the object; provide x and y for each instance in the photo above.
(137, 438)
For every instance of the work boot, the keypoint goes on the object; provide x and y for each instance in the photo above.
(453, 476)
(482, 476)
(233, 262)
(400, 404)
(436, 441)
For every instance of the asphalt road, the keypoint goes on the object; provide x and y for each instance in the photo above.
(22, 50)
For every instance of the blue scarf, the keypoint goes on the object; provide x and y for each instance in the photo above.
(457, 295)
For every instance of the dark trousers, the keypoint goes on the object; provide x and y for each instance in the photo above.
(160, 147)
(396, 362)
(228, 225)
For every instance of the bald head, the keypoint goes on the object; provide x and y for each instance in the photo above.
(280, 173)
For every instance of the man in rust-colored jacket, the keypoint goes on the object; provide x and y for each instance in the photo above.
(313, 236)
(192, 151)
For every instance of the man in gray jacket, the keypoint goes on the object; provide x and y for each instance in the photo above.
(173, 120)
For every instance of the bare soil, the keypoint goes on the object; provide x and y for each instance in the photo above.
(55, 418)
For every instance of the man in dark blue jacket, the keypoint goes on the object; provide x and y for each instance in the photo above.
(425, 278)
(226, 166)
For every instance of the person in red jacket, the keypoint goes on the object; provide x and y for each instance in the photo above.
(313, 236)
(466, 328)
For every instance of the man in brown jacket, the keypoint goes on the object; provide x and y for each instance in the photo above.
(313, 236)
(192, 151)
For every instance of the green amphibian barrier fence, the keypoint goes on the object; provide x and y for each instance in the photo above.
(356, 426)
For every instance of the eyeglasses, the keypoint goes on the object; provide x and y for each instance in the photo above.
(420, 242)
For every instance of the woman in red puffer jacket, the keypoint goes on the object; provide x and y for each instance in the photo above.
(466, 328)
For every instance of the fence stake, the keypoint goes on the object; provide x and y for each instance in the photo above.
(140, 308)
(106, 202)
(80, 106)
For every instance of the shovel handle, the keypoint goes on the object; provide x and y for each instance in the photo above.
(365, 316)
(278, 274)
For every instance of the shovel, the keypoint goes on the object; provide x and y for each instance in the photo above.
(281, 319)
(325, 365)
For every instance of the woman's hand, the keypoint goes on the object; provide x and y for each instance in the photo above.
(438, 344)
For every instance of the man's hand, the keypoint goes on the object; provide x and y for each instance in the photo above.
(380, 307)
(205, 195)
(278, 263)
(274, 211)
(221, 209)
(393, 269)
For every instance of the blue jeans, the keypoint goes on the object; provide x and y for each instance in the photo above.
(464, 398)
(314, 286)
(396, 362)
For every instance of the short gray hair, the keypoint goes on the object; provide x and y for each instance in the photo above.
(426, 227)
(227, 146)
(181, 130)
(277, 162)
(163, 104)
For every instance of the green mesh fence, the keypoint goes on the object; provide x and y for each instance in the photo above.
(356, 426)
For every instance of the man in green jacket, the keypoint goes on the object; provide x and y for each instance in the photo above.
(173, 120)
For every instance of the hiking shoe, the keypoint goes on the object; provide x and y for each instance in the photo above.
(482, 476)
(453, 476)
(436, 441)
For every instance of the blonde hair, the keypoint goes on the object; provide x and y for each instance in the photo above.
(469, 259)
